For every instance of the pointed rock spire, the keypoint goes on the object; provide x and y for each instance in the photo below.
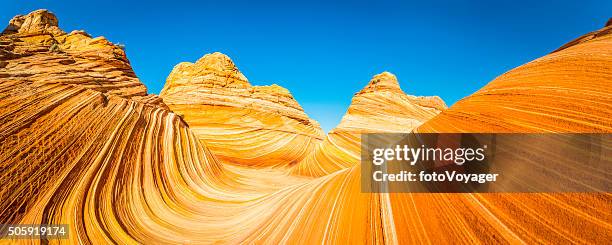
(385, 81)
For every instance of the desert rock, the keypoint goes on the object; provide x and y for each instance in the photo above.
(34, 48)
(380, 107)
(241, 123)
(81, 143)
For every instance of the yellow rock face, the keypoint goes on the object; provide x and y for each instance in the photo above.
(380, 107)
(81, 143)
(240, 123)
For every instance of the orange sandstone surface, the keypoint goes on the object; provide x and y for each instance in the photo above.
(568, 90)
(83, 144)
(240, 123)
(380, 107)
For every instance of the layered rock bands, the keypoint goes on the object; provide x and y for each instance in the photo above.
(222, 161)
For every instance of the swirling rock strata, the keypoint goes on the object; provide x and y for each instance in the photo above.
(240, 123)
(380, 107)
(566, 91)
(119, 169)
(569, 90)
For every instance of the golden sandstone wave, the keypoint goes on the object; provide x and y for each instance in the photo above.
(83, 144)
(381, 106)
(240, 123)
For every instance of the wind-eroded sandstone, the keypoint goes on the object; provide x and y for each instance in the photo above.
(568, 90)
(240, 123)
(34, 49)
(81, 143)
(380, 107)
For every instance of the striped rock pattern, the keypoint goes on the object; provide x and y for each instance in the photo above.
(118, 166)
(380, 107)
(566, 91)
(240, 123)
(569, 90)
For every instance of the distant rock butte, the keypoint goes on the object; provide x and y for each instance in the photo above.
(380, 107)
(241, 123)
(34, 48)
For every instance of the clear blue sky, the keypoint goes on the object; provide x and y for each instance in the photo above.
(324, 52)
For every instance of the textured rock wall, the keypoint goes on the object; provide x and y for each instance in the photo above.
(240, 123)
(568, 90)
(380, 107)
(35, 49)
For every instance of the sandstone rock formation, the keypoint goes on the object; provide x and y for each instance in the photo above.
(240, 123)
(380, 107)
(34, 48)
(81, 143)
(569, 90)
(589, 36)
(565, 91)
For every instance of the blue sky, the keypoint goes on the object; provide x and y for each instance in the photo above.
(324, 52)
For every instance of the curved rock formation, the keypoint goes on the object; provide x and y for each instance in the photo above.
(240, 123)
(606, 31)
(568, 90)
(380, 107)
(118, 167)
(565, 91)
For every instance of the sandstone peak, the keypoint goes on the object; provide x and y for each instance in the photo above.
(215, 70)
(217, 61)
(241, 123)
(609, 23)
(212, 71)
(41, 20)
(385, 81)
(383, 106)
(39, 30)
(431, 101)
(215, 74)
(33, 46)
